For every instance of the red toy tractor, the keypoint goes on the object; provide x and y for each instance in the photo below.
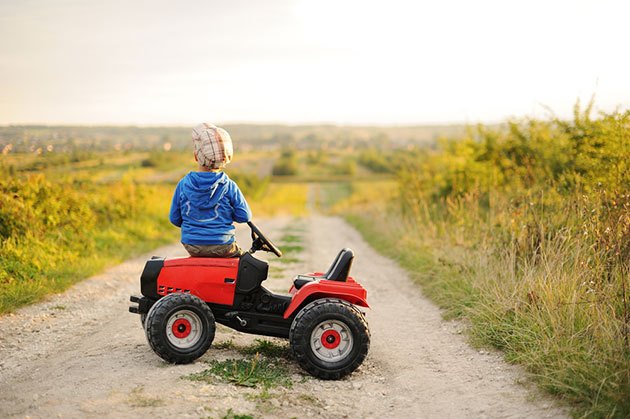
(183, 298)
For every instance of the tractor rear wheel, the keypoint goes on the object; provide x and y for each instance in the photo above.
(180, 328)
(329, 338)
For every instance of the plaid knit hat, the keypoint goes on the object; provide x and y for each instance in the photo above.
(212, 146)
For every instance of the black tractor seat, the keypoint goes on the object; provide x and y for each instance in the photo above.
(338, 270)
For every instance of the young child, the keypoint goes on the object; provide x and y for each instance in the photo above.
(207, 202)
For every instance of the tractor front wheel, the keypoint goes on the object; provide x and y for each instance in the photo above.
(329, 338)
(180, 328)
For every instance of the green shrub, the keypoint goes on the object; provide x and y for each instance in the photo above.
(377, 161)
(55, 233)
(286, 165)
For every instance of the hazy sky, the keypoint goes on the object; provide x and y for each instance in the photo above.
(181, 62)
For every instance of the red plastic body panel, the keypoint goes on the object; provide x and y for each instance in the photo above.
(211, 279)
(351, 291)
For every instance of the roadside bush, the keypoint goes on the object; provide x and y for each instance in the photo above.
(345, 167)
(286, 165)
(377, 161)
(37, 206)
(55, 233)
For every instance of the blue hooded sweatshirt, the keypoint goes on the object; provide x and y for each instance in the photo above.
(205, 205)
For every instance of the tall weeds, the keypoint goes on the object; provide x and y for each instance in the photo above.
(533, 223)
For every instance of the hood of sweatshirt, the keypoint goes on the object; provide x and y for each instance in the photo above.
(202, 191)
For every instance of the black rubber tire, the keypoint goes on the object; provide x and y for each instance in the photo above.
(314, 314)
(143, 316)
(156, 326)
(144, 321)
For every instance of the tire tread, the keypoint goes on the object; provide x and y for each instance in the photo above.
(299, 335)
(157, 318)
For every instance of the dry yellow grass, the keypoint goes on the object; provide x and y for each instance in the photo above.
(282, 199)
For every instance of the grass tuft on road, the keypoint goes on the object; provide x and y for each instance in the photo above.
(231, 415)
(268, 349)
(248, 372)
(264, 347)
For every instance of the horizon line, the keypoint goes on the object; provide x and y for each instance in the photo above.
(260, 123)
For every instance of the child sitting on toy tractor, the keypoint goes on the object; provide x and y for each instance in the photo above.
(207, 202)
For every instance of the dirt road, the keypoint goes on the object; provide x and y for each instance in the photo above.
(81, 354)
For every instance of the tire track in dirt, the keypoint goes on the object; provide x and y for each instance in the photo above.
(80, 354)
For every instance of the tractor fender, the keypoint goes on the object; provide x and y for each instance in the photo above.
(350, 292)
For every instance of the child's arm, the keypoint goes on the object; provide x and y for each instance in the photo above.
(241, 211)
(176, 212)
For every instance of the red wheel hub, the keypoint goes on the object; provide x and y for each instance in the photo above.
(181, 328)
(331, 339)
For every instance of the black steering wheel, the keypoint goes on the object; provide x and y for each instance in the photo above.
(260, 242)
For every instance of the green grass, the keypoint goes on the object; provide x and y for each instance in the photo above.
(49, 247)
(282, 199)
(525, 233)
(328, 194)
(45, 280)
(262, 347)
(231, 415)
(292, 248)
(542, 320)
(253, 371)
(291, 243)
(444, 283)
(263, 366)
(225, 345)
(277, 271)
(287, 260)
(268, 349)
(290, 238)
